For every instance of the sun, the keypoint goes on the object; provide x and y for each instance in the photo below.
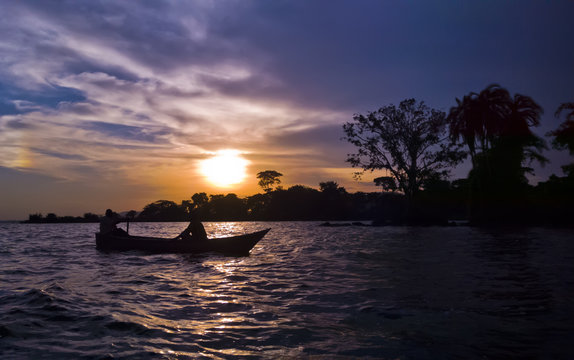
(225, 168)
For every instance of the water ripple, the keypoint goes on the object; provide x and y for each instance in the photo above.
(304, 292)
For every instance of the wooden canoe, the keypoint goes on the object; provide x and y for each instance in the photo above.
(233, 245)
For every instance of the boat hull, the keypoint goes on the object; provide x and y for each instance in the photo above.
(234, 245)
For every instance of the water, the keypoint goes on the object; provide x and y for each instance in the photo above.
(304, 292)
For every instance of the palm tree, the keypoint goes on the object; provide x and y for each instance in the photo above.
(564, 135)
(566, 106)
(496, 128)
(524, 113)
(516, 145)
(477, 118)
(486, 119)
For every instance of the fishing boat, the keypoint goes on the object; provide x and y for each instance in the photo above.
(233, 245)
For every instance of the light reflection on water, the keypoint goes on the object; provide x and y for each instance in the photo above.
(420, 293)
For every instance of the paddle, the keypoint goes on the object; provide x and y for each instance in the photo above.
(130, 215)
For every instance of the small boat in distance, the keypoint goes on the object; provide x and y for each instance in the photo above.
(233, 245)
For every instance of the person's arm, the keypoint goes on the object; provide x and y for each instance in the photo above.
(184, 232)
(119, 219)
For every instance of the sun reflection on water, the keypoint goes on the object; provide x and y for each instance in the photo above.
(223, 229)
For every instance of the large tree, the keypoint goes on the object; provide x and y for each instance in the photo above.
(410, 141)
(496, 128)
(492, 117)
(476, 119)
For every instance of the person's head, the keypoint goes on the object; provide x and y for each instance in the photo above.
(109, 213)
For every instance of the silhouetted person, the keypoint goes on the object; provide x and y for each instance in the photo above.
(108, 224)
(194, 231)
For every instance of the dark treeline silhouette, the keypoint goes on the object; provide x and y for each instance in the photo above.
(299, 202)
(417, 147)
(440, 201)
(53, 218)
(330, 202)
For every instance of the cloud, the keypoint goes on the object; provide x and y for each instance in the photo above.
(64, 156)
(17, 124)
(126, 132)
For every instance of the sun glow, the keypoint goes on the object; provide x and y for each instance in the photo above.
(225, 168)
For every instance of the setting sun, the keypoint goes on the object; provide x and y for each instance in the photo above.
(225, 168)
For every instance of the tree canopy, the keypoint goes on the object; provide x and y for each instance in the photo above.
(410, 141)
(387, 183)
(494, 118)
(268, 179)
(495, 126)
(564, 135)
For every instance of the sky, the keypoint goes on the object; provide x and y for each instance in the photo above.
(115, 104)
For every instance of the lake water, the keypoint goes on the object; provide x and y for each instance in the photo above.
(304, 292)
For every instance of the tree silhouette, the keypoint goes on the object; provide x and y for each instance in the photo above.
(268, 179)
(331, 187)
(163, 210)
(564, 135)
(199, 199)
(492, 117)
(257, 206)
(334, 200)
(387, 183)
(569, 106)
(477, 117)
(495, 126)
(227, 207)
(410, 141)
(299, 202)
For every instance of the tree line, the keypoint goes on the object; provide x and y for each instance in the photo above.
(53, 218)
(417, 145)
(299, 202)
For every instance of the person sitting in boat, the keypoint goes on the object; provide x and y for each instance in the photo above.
(108, 224)
(194, 231)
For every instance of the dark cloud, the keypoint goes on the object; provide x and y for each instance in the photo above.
(8, 108)
(79, 108)
(318, 136)
(18, 124)
(59, 155)
(254, 86)
(126, 132)
(141, 147)
(323, 143)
